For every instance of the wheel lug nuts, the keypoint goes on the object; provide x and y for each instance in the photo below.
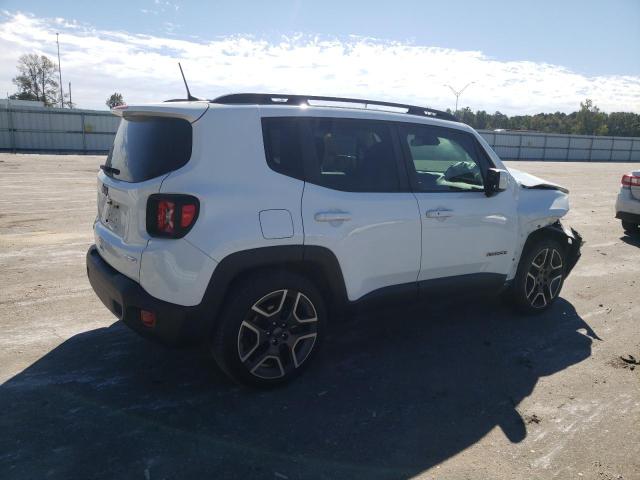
(284, 335)
(283, 325)
(274, 341)
(273, 323)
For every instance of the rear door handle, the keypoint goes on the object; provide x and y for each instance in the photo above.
(439, 213)
(332, 217)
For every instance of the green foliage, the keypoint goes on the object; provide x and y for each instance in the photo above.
(36, 79)
(114, 100)
(589, 120)
(23, 96)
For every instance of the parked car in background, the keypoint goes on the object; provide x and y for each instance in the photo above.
(249, 221)
(628, 202)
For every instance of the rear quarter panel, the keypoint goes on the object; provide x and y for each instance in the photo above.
(230, 176)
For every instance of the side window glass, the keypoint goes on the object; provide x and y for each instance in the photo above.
(443, 159)
(282, 145)
(353, 155)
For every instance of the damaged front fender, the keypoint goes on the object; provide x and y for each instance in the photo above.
(572, 241)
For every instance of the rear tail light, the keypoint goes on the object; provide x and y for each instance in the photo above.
(187, 214)
(171, 215)
(630, 180)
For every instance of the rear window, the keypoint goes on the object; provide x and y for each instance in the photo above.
(147, 147)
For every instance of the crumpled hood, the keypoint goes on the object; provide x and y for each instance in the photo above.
(526, 180)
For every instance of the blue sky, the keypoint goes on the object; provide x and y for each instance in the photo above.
(590, 46)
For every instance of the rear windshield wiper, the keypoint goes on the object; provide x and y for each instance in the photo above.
(107, 169)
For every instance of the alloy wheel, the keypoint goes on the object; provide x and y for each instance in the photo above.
(544, 278)
(278, 334)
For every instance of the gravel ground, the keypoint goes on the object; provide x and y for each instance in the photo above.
(449, 391)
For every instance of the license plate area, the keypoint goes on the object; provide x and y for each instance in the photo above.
(112, 217)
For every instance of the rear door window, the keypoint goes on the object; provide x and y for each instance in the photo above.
(146, 147)
(282, 145)
(353, 155)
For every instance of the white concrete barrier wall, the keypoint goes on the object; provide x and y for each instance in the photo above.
(91, 131)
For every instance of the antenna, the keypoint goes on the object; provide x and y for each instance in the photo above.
(189, 96)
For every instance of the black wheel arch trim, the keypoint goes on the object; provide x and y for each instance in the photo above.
(319, 263)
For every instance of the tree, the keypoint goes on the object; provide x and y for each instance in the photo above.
(589, 120)
(624, 124)
(466, 116)
(499, 120)
(114, 100)
(482, 120)
(36, 79)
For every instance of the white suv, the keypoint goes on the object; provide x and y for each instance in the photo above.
(249, 221)
(628, 202)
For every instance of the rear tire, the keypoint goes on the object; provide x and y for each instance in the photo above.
(270, 329)
(540, 276)
(630, 228)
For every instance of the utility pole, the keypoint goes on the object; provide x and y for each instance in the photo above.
(60, 73)
(70, 102)
(457, 93)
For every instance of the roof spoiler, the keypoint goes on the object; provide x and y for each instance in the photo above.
(188, 111)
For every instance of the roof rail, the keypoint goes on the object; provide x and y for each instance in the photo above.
(287, 99)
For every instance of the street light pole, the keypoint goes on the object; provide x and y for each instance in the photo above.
(60, 73)
(457, 93)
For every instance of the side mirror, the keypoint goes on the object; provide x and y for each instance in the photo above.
(497, 181)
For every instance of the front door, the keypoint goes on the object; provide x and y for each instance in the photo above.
(466, 235)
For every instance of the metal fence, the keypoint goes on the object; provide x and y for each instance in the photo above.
(89, 131)
(568, 148)
(56, 130)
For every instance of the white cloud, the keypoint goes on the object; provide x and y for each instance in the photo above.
(144, 69)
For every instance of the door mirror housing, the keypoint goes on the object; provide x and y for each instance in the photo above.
(497, 181)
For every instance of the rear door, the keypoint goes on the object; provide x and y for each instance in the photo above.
(358, 204)
(145, 150)
(466, 236)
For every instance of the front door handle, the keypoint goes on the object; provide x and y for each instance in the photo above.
(332, 216)
(439, 213)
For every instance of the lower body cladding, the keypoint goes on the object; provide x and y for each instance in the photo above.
(174, 324)
(166, 322)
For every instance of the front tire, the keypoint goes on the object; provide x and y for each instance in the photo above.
(540, 276)
(630, 228)
(270, 329)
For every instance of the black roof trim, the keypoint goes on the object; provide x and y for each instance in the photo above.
(287, 99)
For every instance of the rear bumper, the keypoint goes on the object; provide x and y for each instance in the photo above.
(175, 324)
(627, 204)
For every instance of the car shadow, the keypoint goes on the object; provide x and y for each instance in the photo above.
(393, 393)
